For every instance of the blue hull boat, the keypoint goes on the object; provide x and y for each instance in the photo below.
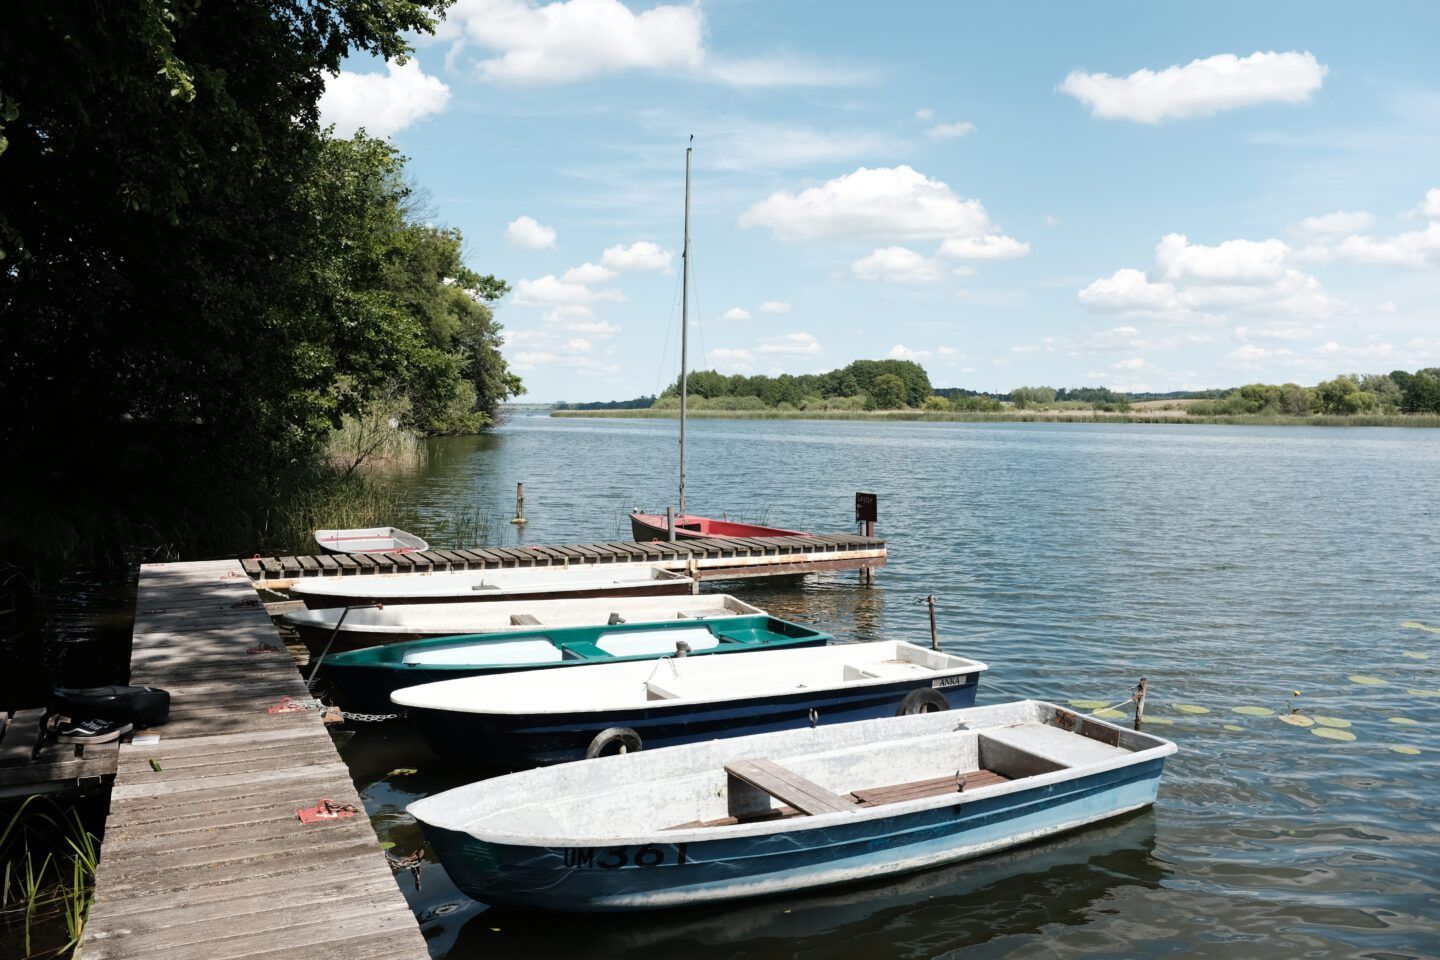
(546, 717)
(752, 816)
(363, 680)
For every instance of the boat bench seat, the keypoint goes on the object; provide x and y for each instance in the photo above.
(1053, 744)
(682, 688)
(788, 787)
(884, 670)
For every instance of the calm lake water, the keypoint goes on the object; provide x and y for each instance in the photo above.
(1230, 565)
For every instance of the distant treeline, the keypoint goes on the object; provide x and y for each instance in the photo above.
(1394, 392)
(862, 385)
(639, 403)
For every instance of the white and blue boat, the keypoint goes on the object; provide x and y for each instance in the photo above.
(752, 816)
(541, 717)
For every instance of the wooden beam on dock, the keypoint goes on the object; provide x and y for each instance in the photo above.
(710, 558)
(204, 857)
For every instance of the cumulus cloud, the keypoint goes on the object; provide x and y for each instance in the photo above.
(790, 344)
(902, 352)
(382, 103)
(588, 273)
(735, 313)
(733, 360)
(950, 131)
(527, 233)
(638, 256)
(886, 202)
(1133, 363)
(1430, 206)
(774, 306)
(896, 265)
(1128, 290)
(924, 113)
(1232, 262)
(1199, 88)
(989, 247)
(1414, 248)
(575, 39)
(550, 290)
(1338, 223)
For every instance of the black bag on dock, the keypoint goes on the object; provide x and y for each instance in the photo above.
(138, 705)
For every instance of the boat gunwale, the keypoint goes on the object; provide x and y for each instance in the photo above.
(353, 588)
(859, 814)
(965, 669)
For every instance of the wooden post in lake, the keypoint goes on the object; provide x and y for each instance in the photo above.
(867, 511)
(1140, 702)
(670, 523)
(520, 505)
(934, 633)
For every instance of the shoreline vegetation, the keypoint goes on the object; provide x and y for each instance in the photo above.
(899, 390)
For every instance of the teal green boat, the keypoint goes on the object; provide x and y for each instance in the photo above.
(362, 680)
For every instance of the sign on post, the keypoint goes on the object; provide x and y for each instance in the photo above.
(867, 508)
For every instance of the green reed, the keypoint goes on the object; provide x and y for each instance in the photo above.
(47, 874)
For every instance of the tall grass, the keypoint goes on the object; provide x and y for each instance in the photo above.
(47, 877)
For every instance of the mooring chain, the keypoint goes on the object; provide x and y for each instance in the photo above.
(369, 717)
(411, 862)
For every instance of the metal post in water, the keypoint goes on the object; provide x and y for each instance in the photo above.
(315, 669)
(934, 634)
(684, 329)
(520, 505)
(670, 522)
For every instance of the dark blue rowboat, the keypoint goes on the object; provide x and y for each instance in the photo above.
(751, 816)
(545, 717)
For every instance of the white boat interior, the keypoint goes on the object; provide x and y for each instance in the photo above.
(760, 673)
(478, 583)
(636, 643)
(777, 782)
(369, 540)
(450, 619)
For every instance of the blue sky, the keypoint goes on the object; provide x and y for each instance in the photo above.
(1139, 195)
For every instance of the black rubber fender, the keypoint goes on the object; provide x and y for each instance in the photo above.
(613, 740)
(924, 700)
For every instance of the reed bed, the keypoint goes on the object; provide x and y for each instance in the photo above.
(47, 878)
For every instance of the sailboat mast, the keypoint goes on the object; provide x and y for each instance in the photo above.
(684, 326)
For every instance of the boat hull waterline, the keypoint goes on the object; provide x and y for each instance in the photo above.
(527, 720)
(363, 680)
(685, 865)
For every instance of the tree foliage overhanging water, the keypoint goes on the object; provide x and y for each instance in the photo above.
(198, 283)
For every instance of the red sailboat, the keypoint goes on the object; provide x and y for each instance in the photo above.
(688, 526)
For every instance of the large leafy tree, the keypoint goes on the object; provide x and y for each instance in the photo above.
(191, 271)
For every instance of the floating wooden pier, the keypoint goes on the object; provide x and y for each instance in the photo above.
(711, 558)
(204, 856)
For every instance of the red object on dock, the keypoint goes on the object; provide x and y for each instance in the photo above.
(326, 809)
(653, 526)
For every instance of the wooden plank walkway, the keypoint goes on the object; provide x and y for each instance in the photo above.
(204, 857)
(710, 558)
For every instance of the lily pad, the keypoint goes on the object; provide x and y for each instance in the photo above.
(1333, 722)
(388, 845)
(1424, 693)
(1404, 721)
(1233, 728)
(1417, 625)
(1407, 750)
(1253, 711)
(1365, 680)
(1191, 708)
(1415, 655)
(1087, 704)
(1109, 714)
(1296, 720)
(401, 772)
(1163, 721)
(1330, 733)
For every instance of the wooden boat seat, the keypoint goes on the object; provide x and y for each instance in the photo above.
(524, 620)
(1053, 744)
(868, 797)
(789, 787)
(889, 669)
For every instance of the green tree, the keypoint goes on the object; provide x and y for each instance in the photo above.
(1422, 393)
(887, 392)
(1331, 394)
(1032, 396)
(937, 404)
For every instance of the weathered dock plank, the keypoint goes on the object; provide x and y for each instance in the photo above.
(204, 855)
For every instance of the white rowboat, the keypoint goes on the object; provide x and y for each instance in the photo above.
(536, 583)
(369, 540)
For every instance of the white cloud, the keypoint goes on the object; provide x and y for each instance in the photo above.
(549, 290)
(1115, 338)
(1129, 291)
(1200, 88)
(924, 113)
(950, 131)
(641, 255)
(948, 352)
(782, 71)
(382, 103)
(790, 344)
(576, 39)
(749, 145)
(578, 318)
(1232, 262)
(1251, 355)
(1050, 220)
(1133, 363)
(1416, 248)
(588, 273)
(896, 202)
(527, 233)
(1335, 224)
(989, 247)
(735, 313)
(737, 361)
(774, 306)
(1430, 206)
(896, 265)
(902, 352)
(1291, 333)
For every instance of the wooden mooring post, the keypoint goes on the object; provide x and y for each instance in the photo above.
(520, 505)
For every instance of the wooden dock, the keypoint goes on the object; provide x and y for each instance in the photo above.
(711, 558)
(204, 857)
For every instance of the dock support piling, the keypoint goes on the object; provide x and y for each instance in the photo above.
(934, 633)
(670, 523)
(1140, 702)
(520, 505)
